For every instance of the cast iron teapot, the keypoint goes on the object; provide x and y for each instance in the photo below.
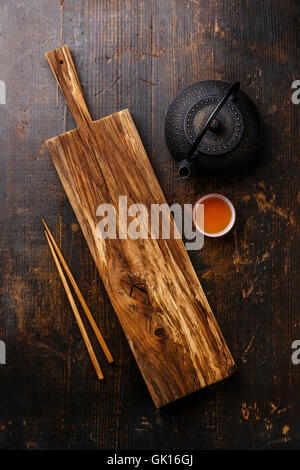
(212, 129)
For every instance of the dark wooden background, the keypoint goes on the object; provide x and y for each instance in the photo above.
(139, 54)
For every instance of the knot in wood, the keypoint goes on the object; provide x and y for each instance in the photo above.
(160, 332)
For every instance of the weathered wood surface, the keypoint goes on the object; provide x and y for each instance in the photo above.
(170, 328)
(139, 54)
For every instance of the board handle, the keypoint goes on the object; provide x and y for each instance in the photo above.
(62, 65)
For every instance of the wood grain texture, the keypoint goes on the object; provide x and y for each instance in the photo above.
(139, 54)
(171, 330)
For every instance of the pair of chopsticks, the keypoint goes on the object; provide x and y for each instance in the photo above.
(58, 256)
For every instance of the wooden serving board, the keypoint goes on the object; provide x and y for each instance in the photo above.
(151, 282)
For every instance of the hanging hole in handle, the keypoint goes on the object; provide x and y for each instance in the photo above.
(61, 62)
(183, 172)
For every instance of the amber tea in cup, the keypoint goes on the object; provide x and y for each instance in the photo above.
(219, 215)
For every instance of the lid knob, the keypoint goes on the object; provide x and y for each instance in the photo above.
(214, 125)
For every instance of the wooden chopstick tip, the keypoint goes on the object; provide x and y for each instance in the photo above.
(45, 225)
